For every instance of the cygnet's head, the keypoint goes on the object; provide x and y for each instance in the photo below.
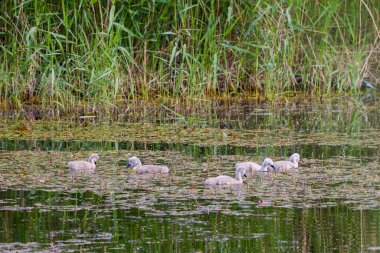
(93, 158)
(267, 163)
(295, 158)
(133, 162)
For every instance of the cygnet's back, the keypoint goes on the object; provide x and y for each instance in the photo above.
(153, 169)
(248, 166)
(227, 180)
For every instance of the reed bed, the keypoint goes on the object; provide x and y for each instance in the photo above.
(70, 53)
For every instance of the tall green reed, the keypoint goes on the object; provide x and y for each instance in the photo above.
(69, 53)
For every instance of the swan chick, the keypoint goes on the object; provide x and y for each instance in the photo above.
(252, 166)
(84, 165)
(136, 165)
(227, 180)
(282, 166)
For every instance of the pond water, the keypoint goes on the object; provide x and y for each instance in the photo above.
(332, 203)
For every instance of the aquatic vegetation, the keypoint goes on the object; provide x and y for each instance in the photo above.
(62, 132)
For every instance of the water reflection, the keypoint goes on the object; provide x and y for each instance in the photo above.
(106, 229)
(317, 151)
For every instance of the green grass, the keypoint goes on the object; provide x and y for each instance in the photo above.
(69, 53)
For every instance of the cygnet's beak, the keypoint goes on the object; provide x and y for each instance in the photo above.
(245, 175)
(129, 165)
(274, 168)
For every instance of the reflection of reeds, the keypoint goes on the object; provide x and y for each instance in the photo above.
(67, 54)
(205, 124)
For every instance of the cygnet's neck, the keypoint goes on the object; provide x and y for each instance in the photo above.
(238, 176)
(294, 159)
(264, 167)
(137, 166)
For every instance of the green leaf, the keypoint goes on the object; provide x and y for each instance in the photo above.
(112, 18)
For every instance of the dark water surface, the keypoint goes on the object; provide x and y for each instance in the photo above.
(331, 204)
